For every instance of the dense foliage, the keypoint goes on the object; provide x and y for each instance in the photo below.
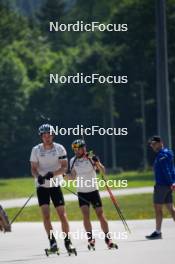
(29, 52)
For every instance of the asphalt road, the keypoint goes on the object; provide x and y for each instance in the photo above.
(27, 241)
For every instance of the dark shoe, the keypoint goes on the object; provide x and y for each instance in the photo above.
(53, 247)
(53, 244)
(154, 235)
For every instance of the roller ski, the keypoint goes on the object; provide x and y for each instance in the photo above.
(53, 247)
(109, 242)
(69, 247)
(52, 250)
(111, 245)
(91, 244)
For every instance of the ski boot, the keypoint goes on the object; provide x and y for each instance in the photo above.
(52, 250)
(91, 244)
(110, 244)
(53, 247)
(69, 247)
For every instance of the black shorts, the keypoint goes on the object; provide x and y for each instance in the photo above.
(45, 194)
(162, 194)
(92, 198)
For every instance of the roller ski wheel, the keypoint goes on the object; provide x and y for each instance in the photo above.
(91, 244)
(50, 251)
(70, 249)
(112, 245)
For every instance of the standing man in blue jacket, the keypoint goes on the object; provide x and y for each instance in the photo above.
(164, 183)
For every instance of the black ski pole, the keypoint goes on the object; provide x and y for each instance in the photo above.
(19, 212)
(113, 199)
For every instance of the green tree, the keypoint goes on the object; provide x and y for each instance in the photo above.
(13, 86)
(52, 10)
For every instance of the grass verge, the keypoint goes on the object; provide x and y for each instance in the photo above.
(133, 207)
(21, 187)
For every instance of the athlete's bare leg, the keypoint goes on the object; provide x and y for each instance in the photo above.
(102, 219)
(63, 218)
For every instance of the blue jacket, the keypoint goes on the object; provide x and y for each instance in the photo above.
(164, 167)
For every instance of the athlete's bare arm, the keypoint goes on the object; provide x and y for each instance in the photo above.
(100, 167)
(63, 169)
(34, 169)
(71, 175)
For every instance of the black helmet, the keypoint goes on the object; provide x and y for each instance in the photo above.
(45, 128)
(78, 143)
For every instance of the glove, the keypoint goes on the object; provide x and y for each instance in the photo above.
(49, 175)
(95, 158)
(41, 180)
(173, 187)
